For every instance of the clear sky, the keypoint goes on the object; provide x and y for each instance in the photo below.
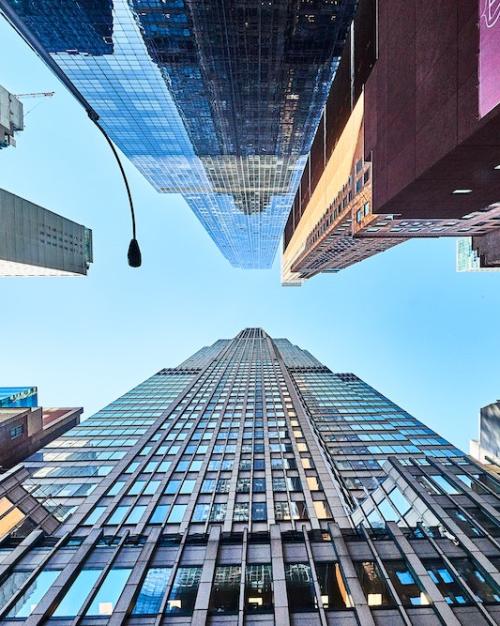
(404, 321)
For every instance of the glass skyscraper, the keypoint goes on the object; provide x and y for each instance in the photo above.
(218, 101)
(250, 485)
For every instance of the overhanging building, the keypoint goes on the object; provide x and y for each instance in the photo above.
(408, 143)
(250, 485)
(37, 242)
(218, 101)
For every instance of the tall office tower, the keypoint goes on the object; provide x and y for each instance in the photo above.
(37, 242)
(26, 427)
(479, 254)
(408, 143)
(11, 117)
(250, 485)
(486, 449)
(214, 99)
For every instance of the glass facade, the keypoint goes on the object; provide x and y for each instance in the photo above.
(253, 483)
(216, 101)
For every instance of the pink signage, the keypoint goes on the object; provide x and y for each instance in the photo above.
(489, 55)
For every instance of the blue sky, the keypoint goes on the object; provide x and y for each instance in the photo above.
(404, 321)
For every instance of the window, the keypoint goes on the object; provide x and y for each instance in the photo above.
(77, 593)
(322, 509)
(300, 587)
(218, 512)
(187, 487)
(177, 513)
(115, 489)
(200, 513)
(28, 602)
(94, 515)
(444, 580)
(313, 483)
(285, 511)
(464, 523)
(16, 431)
(184, 589)
(152, 487)
(109, 592)
(258, 588)
(374, 587)
(407, 587)
(159, 514)
(445, 485)
(241, 510)
(331, 583)
(152, 590)
(478, 581)
(118, 515)
(259, 485)
(172, 486)
(226, 589)
(399, 501)
(259, 512)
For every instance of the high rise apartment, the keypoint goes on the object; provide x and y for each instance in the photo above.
(37, 242)
(250, 485)
(218, 101)
(408, 144)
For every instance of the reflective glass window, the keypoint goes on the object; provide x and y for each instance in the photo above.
(77, 593)
(300, 587)
(444, 580)
(152, 590)
(407, 587)
(182, 597)
(225, 589)
(109, 592)
(177, 513)
(331, 583)
(258, 588)
(478, 581)
(373, 585)
(28, 602)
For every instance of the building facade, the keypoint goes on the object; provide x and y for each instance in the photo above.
(37, 242)
(218, 101)
(408, 143)
(486, 449)
(11, 397)
(11, 118)
(26, 427)
(250, 485)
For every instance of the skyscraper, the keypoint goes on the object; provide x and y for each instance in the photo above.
(37, 242)
(250, 485)
(218, 101)
(408, 142)
(486, 449)
(11, 117)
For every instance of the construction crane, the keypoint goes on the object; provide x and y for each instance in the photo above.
(36, 94)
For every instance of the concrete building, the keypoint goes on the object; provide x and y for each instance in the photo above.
(486, 449)
(11, 118)
(37, 242)
(250, 485)
(409, 140)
